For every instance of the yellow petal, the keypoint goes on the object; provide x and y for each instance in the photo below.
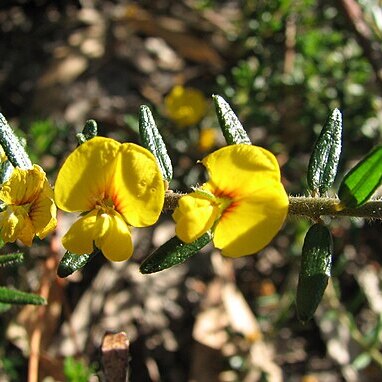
(27, 232)
(79, 239)
(10, 220)
(85, 176)
(116, 243)
(240, 169)
(248, 225)
(194, 216)
(23, 186)
(43, 212)
(137, 187)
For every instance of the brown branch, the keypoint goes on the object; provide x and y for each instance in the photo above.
(371, 48)
(308, 207)
(50, 266)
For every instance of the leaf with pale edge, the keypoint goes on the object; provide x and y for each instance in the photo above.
(232, 129)
(173, 252)
(323, 162)
(72, 262)
(362, 180)
(153, 141)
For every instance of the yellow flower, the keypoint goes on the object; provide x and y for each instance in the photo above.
(207, 139)
(29, 206)
(114, 186)
(185, 106)
(243, 201)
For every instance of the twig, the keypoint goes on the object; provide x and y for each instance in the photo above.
(50, 267)
(309, 207)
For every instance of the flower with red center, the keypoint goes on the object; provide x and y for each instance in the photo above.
(114, 186)
(243, 202)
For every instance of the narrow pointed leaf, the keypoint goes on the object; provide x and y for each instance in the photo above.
(12, 147)
(362, 180)
(11, 259)
(72, 262)
(316, 262)
(173, 252)
(89, 131)
(11, 296)
(153, 141)
(323, 162)
(233, 130)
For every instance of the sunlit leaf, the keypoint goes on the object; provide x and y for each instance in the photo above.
(324, 160)
(72, 262)
(12, 147)
(153, 141)
(233, 130)
(362, 180)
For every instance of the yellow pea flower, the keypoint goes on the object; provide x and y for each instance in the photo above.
(243, 201)
(185, 106)
(29, 206)
(114, 185)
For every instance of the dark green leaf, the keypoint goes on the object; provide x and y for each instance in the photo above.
(323, 162)
(316, 261)
(11, 296)
(362, 180)
(173, 252)
(89, 131)
(233, 130)
(11, 259)
(72, 262)
(152, 141)
(12, 147)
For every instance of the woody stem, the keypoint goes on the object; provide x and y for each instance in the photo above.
(309, 207)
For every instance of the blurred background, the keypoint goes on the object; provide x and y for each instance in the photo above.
(282, 65)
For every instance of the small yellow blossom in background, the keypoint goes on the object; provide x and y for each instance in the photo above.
(243, 201)
(29, 206)
(207, 139)
(114, 185)
(185, 106)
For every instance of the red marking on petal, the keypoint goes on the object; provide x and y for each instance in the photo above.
(229, 210)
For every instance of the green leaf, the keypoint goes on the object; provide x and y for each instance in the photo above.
(323, 162)
(72, 262)
(233, 130)
(11, 259)
(12, 147)
(6, 169)
(173, 252)
(89, 131)
(316, 262)
(152, 141)
(362, 180)
(11, 296)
